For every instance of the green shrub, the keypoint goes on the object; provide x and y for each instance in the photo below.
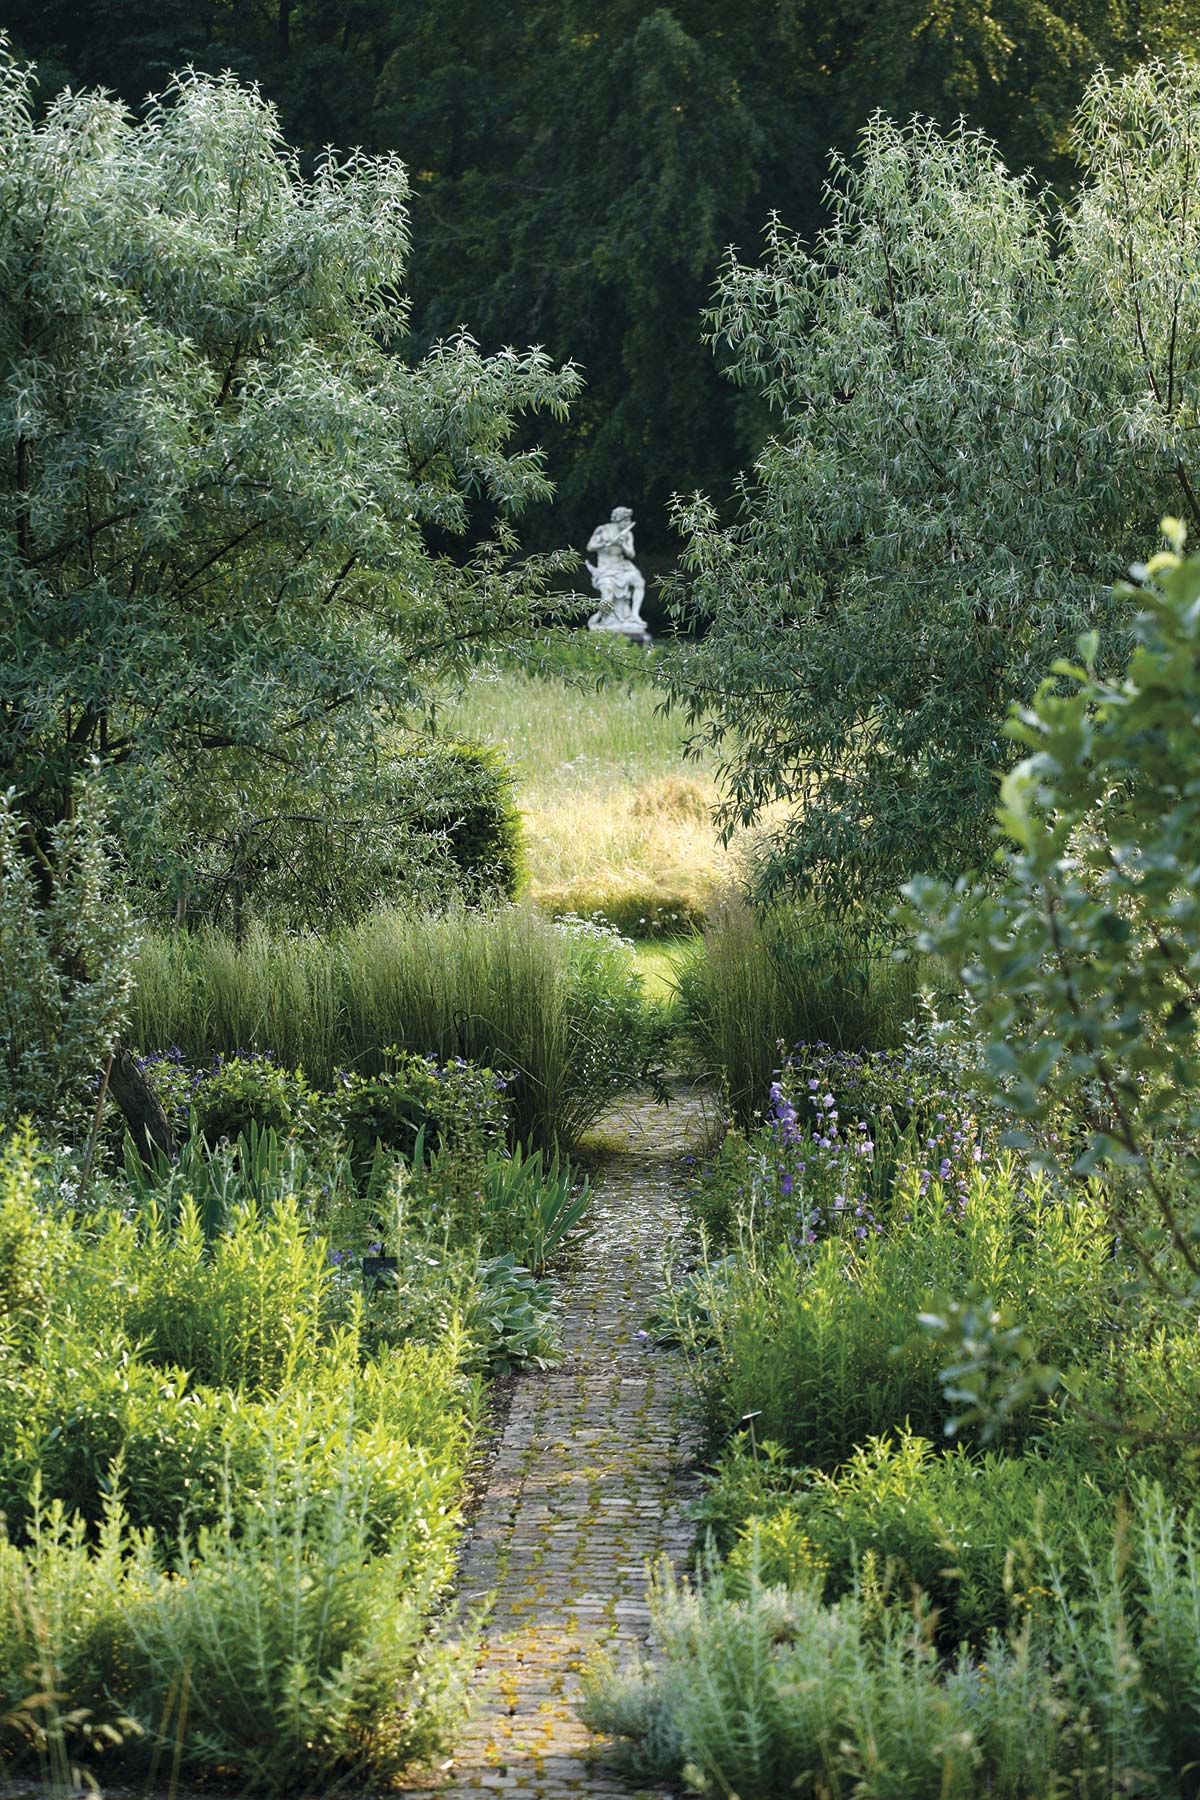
(86, 1422)
(248, 1103)
(244, 1311)
(66, 969)
(457, 1106)
(821, 1339)
(25, 1255)
(977, 1534)
(1080, 959)
(280, 1648)
(302, 1478)
(247, 1342)
(419, 823)
(240, 1092)
(764, 1691)
(756, 979)
(290, 1653)
(464, 795)
(115, 1423)
(63, 1641)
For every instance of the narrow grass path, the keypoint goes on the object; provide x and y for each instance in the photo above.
(589, 1481)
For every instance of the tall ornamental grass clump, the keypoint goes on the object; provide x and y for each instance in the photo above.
(757, 978)
(557, 1005)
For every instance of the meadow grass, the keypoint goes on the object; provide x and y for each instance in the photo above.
(618, 819)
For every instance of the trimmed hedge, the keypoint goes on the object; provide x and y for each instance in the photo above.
(464, 796)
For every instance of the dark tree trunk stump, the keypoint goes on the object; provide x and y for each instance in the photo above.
(148, 1123)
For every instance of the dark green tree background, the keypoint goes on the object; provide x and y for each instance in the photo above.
(580, 168)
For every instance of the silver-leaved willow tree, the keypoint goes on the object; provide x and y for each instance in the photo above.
(986, 402)
(222, 484)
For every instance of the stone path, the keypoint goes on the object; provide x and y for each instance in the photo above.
(588, 1484)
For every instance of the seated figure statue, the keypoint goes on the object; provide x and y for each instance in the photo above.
(617, 578)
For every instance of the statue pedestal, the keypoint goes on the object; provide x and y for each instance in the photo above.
(632, 629)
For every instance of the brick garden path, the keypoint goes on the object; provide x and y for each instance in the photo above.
(588, 1483)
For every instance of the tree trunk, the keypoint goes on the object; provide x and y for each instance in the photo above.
(143, 1111)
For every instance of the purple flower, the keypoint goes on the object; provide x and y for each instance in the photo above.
(785, 1183)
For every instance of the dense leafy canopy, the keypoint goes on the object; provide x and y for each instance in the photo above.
(579, 168)
(222, 478)
(1084, 962)
(982, 411)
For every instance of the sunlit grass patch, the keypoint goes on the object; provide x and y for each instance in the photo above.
(658, 963)
(618, 818)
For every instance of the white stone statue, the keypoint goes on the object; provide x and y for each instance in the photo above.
(617, 578)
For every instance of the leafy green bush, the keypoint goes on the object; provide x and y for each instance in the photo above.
(244, 1311)
(423, 822)
(978, 1534)
(821, 1338)
(467, 798)
(249, 1097)
(66, 968)
(763, 1691)
(64, 1646)
(1081, 961)
(25, 1262)
(237, 1093)
(175, 1359)
(457, 1106)
(279, 1647)
(85, 1420)
(290, 1652)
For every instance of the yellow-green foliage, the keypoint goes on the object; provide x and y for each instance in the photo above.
(232, 1509)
